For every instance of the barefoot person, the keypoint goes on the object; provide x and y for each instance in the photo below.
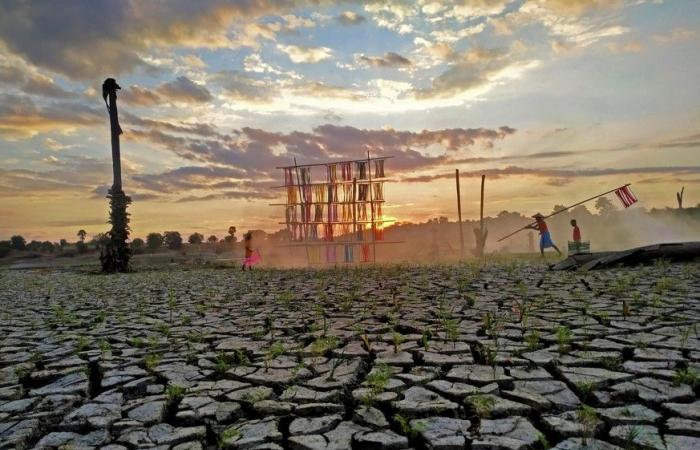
(576, 235)
(545, 237)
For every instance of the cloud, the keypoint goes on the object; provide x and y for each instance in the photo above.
(21, 118)
(350, 18)
(305, 55)
(28, 80)
(625, 47)
(182, 89)
(674, 36)
(87, 39)
(389, 59)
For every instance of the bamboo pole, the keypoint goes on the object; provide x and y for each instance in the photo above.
(371, 206)
(354, 214)
(301, 197)
(563, 209)
(459, 216)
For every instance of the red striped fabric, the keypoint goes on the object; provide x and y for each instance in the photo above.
(626, 196)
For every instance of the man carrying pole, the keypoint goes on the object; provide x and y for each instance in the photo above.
(545, 238)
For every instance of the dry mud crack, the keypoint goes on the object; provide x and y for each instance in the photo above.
(505, 356)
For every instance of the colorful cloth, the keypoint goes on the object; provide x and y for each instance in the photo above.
(626, 196)
(253, 259)
(545, 239)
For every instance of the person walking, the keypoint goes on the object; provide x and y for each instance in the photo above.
(545, 238)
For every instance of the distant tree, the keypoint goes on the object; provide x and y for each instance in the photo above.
(154, 240)
(100, 240)
(605, 206)
(212, 239)
(63, 243)
(195, 238)
(34, 246)
(81, 247)
(5, 248)
(47, 247)
(231, 238)
(18, 242)
(137, 245)
(81, 235)
(173, 240)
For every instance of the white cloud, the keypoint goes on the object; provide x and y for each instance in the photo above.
(305, 54)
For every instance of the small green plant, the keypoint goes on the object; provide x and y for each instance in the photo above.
(81, 344)
(324, 344)
(686, 376)
(542, 439)
(588, 419)
(397, 339)
(610, 362)
(275, 350)
(425, 338)
(585, 389)
(376, 382)
(451, 327)
(411, 430)
(631, 435)
(532, 340)
(175, 393)
(186, 320)
(138, 342)
(481, 404)
(201, 309)
(563, 335)
(101, 316)
(104, 346)
(163, 329)
(151, 361)
(229, 434)
(366, 343)
(221, 363)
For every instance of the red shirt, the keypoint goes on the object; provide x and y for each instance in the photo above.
(542, 226)
(577, 234)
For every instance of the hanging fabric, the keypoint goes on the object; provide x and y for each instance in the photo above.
(362, 192)
(330, 254)
(288, 176)
(318, 213)
(307, 194)
(379, 168)
(348, 253)
(332, 170)
(313, 232)
(346, 212)
(320, 193)
(379, 233)
(314, 254)
(292, 195)
(332, 213)
(345, 230)
(346, 170)
(347, 192)
(378, 191)
(361, 169)
(359, 233)
(362, 211)
(305, 173)
(366, 253)
(328, 232)
(377, 211)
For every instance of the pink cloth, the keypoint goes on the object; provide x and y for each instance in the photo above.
(252, 259)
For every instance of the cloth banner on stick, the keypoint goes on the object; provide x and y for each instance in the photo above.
(626, 196)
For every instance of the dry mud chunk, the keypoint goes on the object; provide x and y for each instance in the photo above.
(676, 425)
(512, 433)
(93, 416)
(65, 439)
(478, 375)
(339, 438)
(148, 413)
(567, 424)
(16, 434)
(75, 383)
(252, 434)
(442, 433)
(629, 414)
(453, 389)
(300, 394)
(591, 444)
(380, 440)
(551, 392)
(419, 401)
(654, 391)
(687, 410)
(677, 442)
(645, 436)
(596, 377)
(500, 407)
(314, 425)
(371, 417)
(164, 433)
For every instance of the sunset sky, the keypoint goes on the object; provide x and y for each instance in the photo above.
(553, 100)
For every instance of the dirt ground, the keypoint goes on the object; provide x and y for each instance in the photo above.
(503, 356)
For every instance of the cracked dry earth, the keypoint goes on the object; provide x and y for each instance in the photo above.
(439, 357)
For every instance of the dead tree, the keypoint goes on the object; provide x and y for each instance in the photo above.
(679, 197)
(116, 253)
(481, 233)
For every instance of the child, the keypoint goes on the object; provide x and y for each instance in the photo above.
(577, 231)
(545, 237)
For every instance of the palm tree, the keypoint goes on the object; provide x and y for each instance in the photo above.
(81, 235)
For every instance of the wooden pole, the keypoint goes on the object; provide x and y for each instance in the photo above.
(354, 212)
(301, 206)
(459, 217)
(371, 207)
(562, 210)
